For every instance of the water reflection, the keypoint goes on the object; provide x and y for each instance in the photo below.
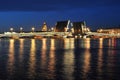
(100, 58)
(69, 64)
(48, 59)
(52, 45)
(75, 59)
(43, 53)
(32, 59)
(86, 62)
(51, 62)
(69, 43)
(85, 43)
(44, 44)
(100, 42)
(110, 66)
(112, 43)
(21, 49)
(11, 58)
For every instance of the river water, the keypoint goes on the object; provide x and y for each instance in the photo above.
(60, 59)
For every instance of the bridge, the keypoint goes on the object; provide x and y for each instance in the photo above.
(50, 34)
(30, 34)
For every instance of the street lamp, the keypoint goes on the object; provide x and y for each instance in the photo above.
(33, 29)
(21, 29)
(52, 29)
(11, 29)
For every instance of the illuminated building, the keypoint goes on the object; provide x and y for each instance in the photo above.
(44, 27)
(62, 26)
(114, 30)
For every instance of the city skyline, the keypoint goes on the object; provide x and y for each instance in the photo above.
(30, 13)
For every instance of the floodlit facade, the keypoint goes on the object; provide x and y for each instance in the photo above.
(44, 27)
(109, 30)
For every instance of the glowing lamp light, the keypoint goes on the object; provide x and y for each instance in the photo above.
(33, 29)
(52, 29)
(11, 29)
(21, 29)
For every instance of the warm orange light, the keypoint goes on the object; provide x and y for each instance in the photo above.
(100, 42)
(51, 62)
(11, 56)
(86, 66)
(44, 45)
(68, 64)
(43, 53)
(52, 44)
(21, 49)
(32, 59)
(87, 43)
(66, 44)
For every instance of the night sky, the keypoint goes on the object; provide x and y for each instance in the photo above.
(28, 13)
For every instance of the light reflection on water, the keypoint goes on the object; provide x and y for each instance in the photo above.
(21, 50)
(32, 59)
(68, 59)
(11, 59)
(51, 64)
(86, 63)
(60, 59)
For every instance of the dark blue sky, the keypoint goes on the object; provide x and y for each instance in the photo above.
(28, 13)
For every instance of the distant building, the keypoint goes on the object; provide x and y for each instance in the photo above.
(44, 27)
(78, 27)
(113, 30)
(62, 26)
